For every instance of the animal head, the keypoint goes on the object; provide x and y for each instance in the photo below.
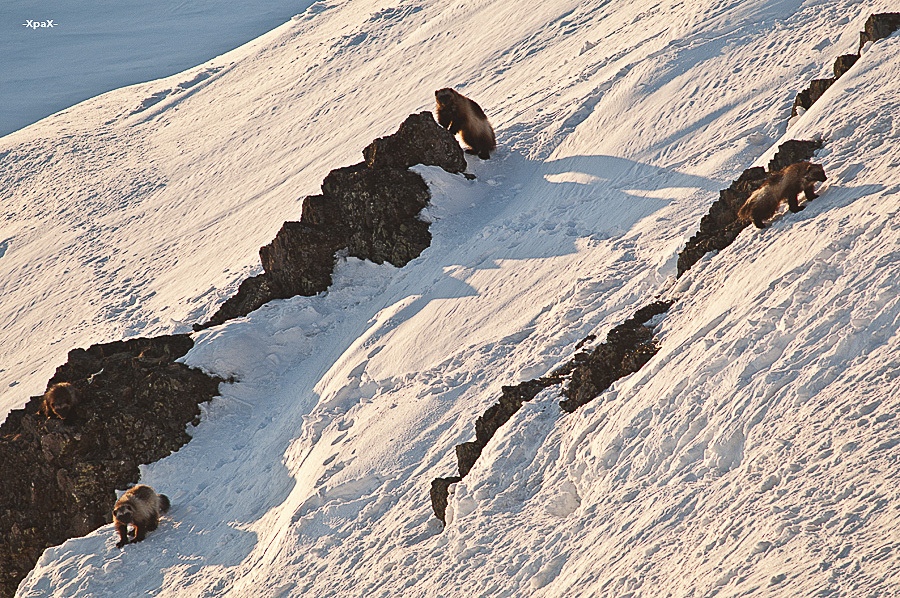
(61, 400)
(445, 95)
(815, 172)
(124, 512)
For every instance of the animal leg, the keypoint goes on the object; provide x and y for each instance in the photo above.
(140, 532)
(123, 534)
(810, 192)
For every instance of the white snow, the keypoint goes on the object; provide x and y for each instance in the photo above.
(754, 455)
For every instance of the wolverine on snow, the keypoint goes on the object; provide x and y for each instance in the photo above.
(786, 184)
(459, 114)
(60, 400)
(139, 507)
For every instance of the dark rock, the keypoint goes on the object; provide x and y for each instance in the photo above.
(628, 347)
(439, 495)
(808, 96)
(420, 140)
(466, 455)
(791, 152)
(370, 209)
(253, 293)
(58, 479)
(879, 26)
(720, 227)
(632, 343)
(300, 260)
(843, 63)
(511, 399)
(379, 212)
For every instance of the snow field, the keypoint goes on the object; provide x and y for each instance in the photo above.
(753, 455)
(154, 176)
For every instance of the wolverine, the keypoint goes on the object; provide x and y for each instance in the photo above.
(459, 114)
(60, 400)
(786, 184)
(140, 507)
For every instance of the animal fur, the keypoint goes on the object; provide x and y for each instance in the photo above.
(784, 185)
(459, 114)
(60, 400)
(139, 507)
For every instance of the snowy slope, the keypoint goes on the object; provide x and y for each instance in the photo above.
(752, 456)
(139, 211)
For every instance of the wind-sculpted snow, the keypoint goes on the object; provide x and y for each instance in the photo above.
(754, 454)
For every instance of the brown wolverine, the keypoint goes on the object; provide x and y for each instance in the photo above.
(60, 400)
(140, 507)
(459, 114)
(786, 184)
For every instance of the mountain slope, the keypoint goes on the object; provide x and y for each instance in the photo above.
(145, 207)
(761, 432)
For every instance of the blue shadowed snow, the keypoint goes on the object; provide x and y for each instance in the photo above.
(84, 49)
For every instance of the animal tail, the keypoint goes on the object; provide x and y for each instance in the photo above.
(164, 503)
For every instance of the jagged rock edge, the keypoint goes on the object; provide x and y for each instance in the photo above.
(368, 210)
(878, 26)
(58, 478)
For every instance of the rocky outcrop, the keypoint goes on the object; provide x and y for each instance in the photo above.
(843, 63)
(58, 478)
(416, 142)
(369, 209)
(791, 152)
(628, 347)
(440, 496)
(878, 26)
(511, 399)
(720, 227)
(808, 96)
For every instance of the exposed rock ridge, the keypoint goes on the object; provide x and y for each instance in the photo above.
(58, 478)
(878, 26)
(627, 348)
(369, 210)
